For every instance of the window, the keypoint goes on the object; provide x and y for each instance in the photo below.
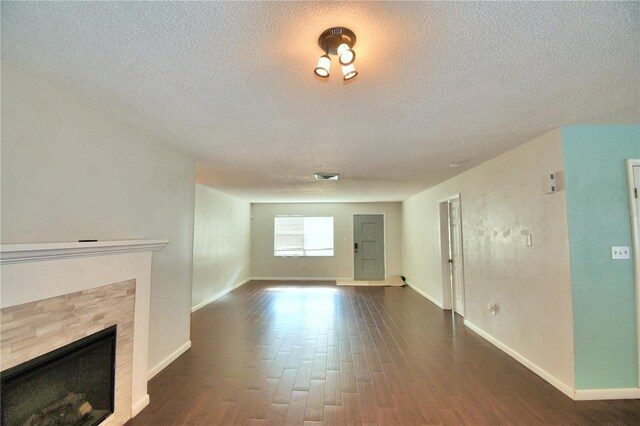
(303, 236)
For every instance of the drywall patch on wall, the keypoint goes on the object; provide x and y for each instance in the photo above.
(604, 301)
(221, 244)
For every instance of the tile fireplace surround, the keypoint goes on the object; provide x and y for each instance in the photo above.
(56, 293)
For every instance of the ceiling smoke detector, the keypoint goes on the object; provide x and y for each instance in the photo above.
(326, 176)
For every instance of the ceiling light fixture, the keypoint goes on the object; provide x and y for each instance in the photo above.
(337, 41)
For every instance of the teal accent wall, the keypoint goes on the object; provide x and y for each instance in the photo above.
(604, 300)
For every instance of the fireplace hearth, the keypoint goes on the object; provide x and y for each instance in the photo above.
(72, 385)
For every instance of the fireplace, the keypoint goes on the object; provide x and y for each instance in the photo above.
(54, 294)
(72, 385)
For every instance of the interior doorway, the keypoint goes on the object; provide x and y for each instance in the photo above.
(453, 291)
(368, 247)
(633, 174)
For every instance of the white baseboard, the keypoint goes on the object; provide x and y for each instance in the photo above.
(139, 405)
(619, 393)
(168, 360)
(218, 296)
(557, 383)
(425, 295)
(299, 278)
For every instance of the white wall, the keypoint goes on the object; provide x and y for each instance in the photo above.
(69, 172)
(221, 246)
(264, 264)
(501, 200)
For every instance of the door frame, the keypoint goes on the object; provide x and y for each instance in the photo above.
(635, 241)
(384, 241)
(445, 253)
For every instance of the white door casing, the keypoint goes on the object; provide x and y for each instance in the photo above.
(456, 262)
(633, 175)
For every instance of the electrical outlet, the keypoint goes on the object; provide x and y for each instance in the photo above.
(549, 183)
(620, 253)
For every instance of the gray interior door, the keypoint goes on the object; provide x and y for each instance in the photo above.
(368, 246)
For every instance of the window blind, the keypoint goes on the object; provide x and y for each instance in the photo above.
(289, 236)
(303, 236)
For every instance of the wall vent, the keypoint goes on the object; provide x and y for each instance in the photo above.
(326, 176)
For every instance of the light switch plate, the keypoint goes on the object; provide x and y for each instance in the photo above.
(619, 253)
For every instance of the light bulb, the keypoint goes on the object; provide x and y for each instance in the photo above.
(324, 63)
(346, 54)
(349, 72)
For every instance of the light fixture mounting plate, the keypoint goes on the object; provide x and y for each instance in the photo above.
(330, 39)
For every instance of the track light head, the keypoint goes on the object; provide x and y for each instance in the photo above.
(324, 63)
(349, 72)
(346, 55)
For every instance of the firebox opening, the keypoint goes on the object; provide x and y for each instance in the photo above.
(72, 385)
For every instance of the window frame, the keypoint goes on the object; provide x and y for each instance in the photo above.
(301, 251)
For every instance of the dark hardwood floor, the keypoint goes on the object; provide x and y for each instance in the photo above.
(275, 353)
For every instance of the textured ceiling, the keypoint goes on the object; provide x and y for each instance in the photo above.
(232, 84)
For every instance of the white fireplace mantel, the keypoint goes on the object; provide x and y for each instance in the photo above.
(30, 252)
